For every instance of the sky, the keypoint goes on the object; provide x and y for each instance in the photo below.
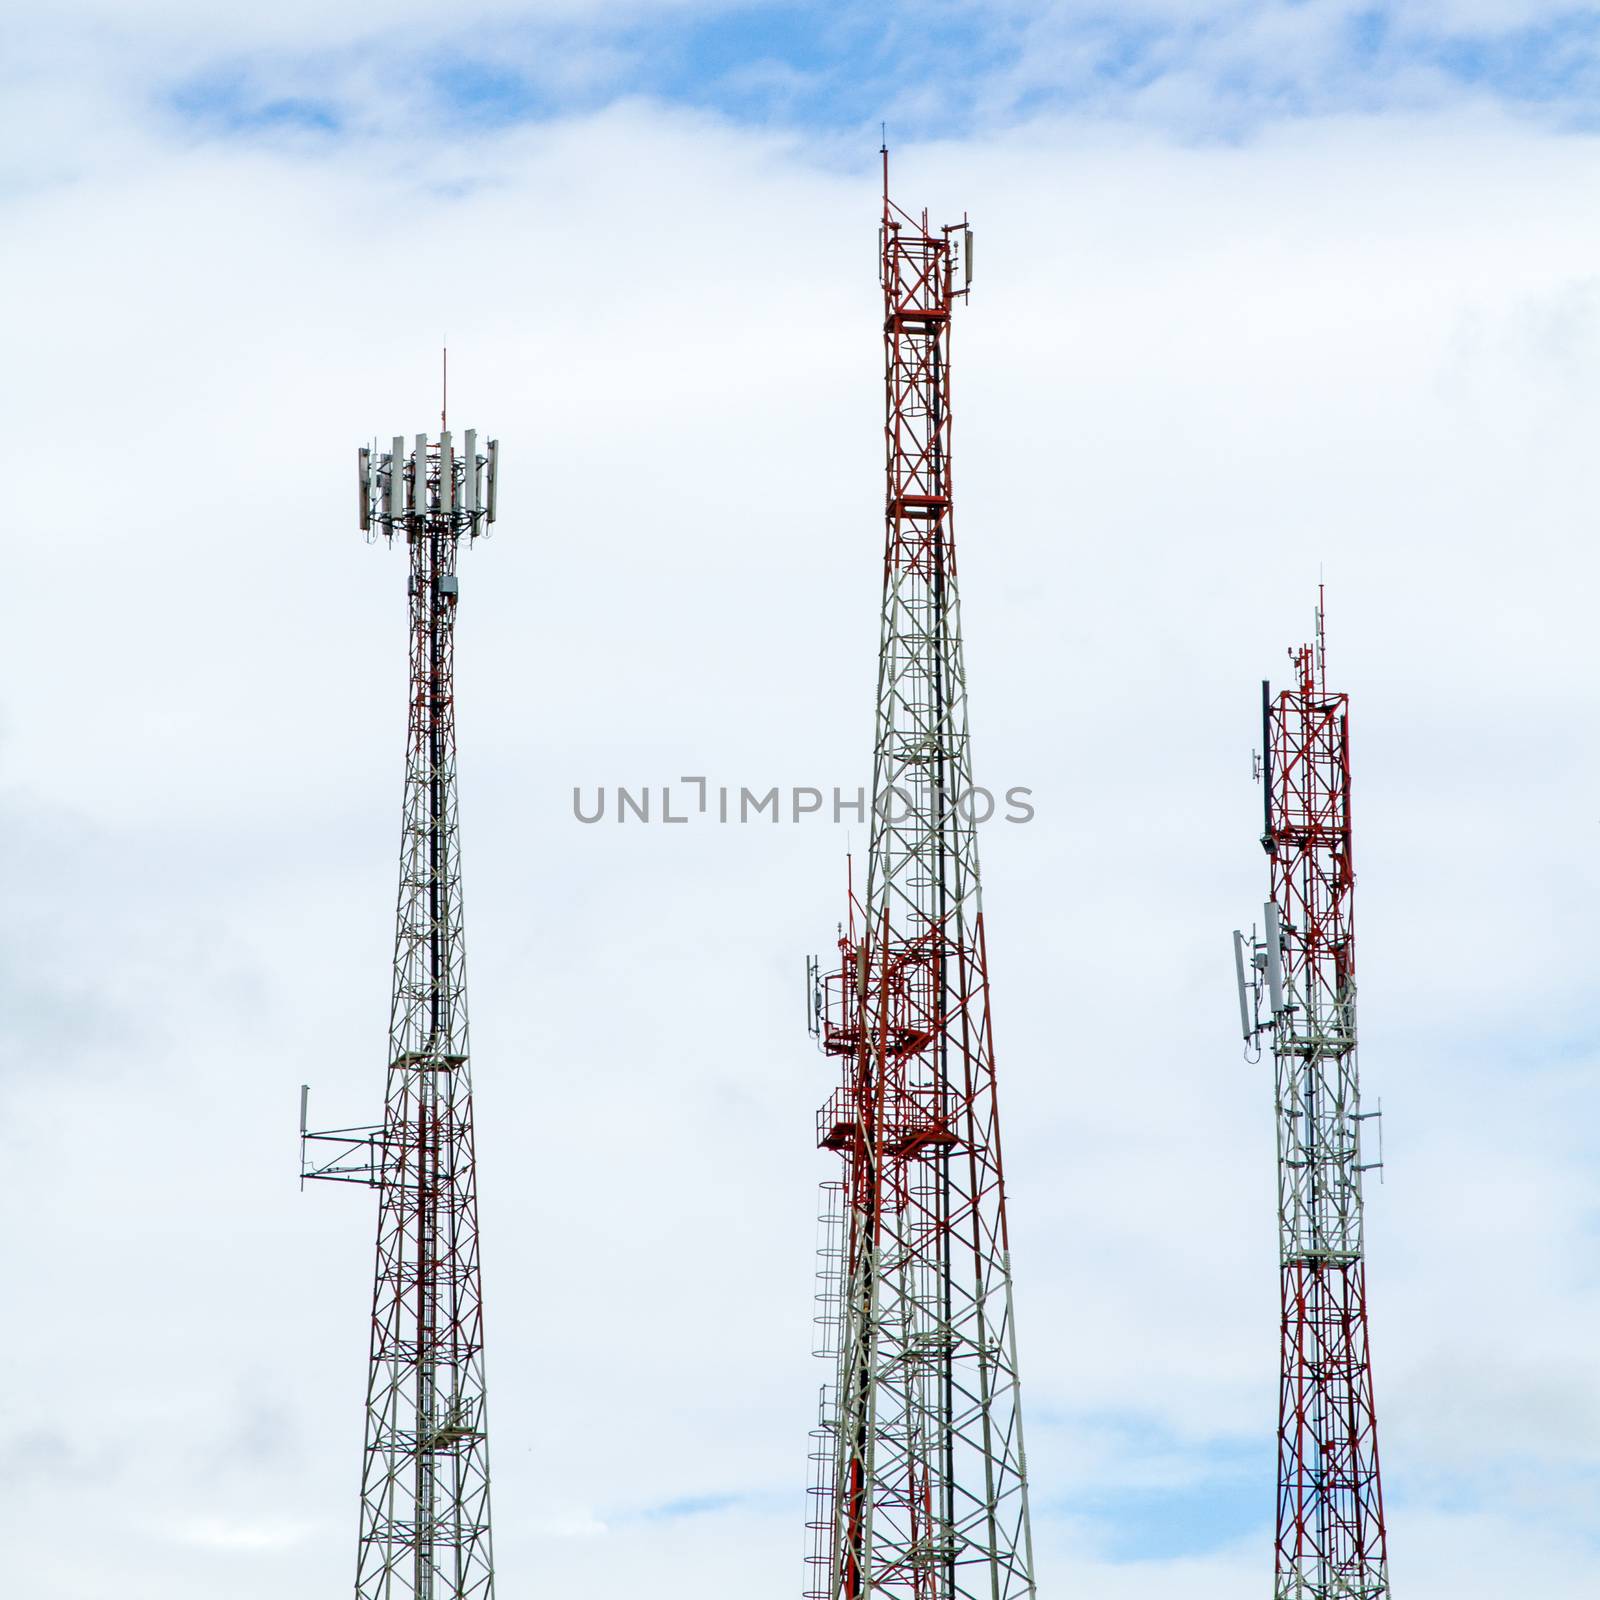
(1266, 295)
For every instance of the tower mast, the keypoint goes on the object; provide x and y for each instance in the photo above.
(424, 1527)
(1331, 1540)
(921, 1488)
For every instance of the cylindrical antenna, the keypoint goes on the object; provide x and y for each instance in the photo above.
(1266, 766)
(1274, 958)
(1245, 1019)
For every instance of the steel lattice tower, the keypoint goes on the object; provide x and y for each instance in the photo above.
(424, 1532)
(921, 1485)
(1331, 1542)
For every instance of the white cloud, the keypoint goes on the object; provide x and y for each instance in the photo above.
(216, 1533)
(568, 1523)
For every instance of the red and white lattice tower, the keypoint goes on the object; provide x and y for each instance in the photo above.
(921, 1484)
(424, 1530)
(1331, 1543)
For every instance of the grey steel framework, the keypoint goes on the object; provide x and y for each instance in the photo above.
(1332, 1542)
(424, 1531)
(921, 1483)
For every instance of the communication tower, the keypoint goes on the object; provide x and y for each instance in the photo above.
(424, 1529)
(1331, 1540)
(921, 1491)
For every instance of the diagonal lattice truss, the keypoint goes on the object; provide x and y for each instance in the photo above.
(921, 1485)
(424, 1530)
(1330, 1529)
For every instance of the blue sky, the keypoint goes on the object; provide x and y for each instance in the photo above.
(940, 69)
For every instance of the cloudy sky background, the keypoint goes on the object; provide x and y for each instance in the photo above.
(1264, 292)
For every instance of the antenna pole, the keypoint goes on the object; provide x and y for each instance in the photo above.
(1322, 637)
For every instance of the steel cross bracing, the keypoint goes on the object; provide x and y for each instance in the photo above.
(1331, 1540)
(424, 1530)
(921, 1488)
